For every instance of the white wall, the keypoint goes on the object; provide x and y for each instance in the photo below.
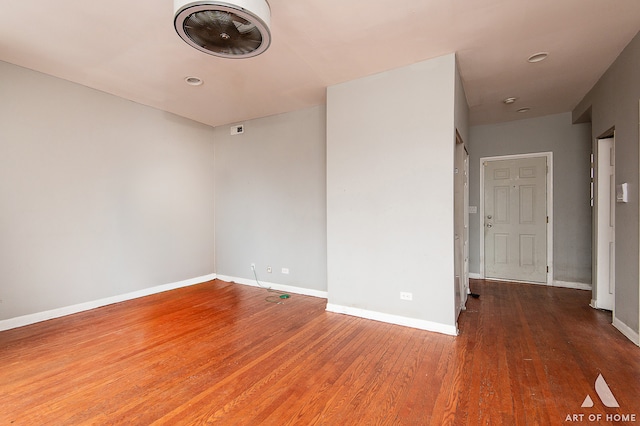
(390, 156)
(270, 199)
(613, 102)
(100, 196)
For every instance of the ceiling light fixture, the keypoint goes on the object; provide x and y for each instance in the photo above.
(509, 100)
(523, 110)
(193, 81)
(538, 57)
(229, 29)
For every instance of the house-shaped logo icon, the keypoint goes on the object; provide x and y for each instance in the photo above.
(604, 393)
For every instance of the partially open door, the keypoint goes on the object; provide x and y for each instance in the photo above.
(605, 205)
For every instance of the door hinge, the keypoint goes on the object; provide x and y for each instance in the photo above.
(547, 219)
(547, 269)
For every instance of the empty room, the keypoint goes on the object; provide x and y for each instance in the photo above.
(320, 213)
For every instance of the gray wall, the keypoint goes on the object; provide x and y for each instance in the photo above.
(613, 101)
(270, 199)
(461, 117)
(461, 120)
(100, 196)
(390, 146)
(571, 147)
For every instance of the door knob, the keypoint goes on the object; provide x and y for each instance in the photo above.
(489, 225)
(488, 216)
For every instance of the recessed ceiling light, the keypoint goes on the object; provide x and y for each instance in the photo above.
(537, 57)
(509, 100)
(193, 81)
(522, 110)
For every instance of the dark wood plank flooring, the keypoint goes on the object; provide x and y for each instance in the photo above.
(220, 353)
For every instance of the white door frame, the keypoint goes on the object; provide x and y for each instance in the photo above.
(604, 264)
(461, 207)
(549, 156)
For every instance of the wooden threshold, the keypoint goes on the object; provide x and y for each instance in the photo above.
(221, 353)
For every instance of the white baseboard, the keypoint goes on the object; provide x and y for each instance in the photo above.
(555, 283)
(394, 319)
(280, 287)
(568, 284)
(627, 331)
(74, 309)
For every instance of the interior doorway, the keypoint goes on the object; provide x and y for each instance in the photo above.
(603, 292)
(516, 220)
(461, 224)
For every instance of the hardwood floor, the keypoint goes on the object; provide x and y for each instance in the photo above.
(220, 353)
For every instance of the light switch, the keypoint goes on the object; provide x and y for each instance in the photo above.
(622, 193)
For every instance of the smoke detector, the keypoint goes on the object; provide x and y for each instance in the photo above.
(229, 29)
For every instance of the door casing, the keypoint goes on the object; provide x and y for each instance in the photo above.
(461, 222)
(603, 290)
(549, 156)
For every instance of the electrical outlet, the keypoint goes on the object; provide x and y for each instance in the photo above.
(285, 270)
(269, 269)
(406, 296)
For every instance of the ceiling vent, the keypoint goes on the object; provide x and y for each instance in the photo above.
(232, 29)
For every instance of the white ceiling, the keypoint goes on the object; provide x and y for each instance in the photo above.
(129, 48)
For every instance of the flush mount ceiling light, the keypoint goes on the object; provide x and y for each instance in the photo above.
(537, 57)
(523, 110)
(509, 100)
(229, 29)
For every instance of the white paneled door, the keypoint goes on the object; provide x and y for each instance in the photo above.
(515, 219)
(606, 231)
